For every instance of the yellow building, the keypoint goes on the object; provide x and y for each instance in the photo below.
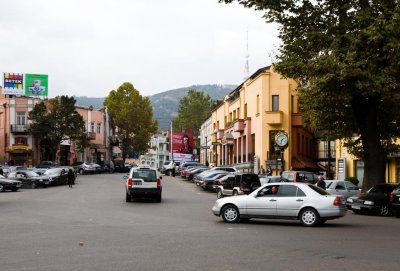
(350, 166)
(246, 122)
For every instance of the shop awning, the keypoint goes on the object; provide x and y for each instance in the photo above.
(305, 164)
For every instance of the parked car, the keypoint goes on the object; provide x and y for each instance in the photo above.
(7, 184)
(47, 164)
(199, 178)
(195, 171)
(238, 184)
(183, 166)
(143, 181)
(166, 168)
(269, 179)
(121, 167)
(395, 201)
(297, 201)
(107, 166)
(29, 178)
(225, 168)
(343, 188)
(58, 176)
(84, 167)
(375, 201)
(208, 182)
(299, 176)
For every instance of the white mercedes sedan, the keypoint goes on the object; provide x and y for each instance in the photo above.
(296, 201)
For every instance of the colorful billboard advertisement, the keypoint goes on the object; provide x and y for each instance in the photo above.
(182, 147)
(13, 83)
(36, 84)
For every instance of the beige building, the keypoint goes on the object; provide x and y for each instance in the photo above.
(246, 122)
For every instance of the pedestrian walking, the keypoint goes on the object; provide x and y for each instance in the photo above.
(173, 168)
(71, 178)
(321, 182)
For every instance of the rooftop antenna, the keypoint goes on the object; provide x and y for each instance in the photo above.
(246, 65)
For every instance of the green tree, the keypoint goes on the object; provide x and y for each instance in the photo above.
(193, 110)
(132, 115)
(56, 120)
(345, 54)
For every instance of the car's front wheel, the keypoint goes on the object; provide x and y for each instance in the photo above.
(235, 193)
(384, 210)
(33, 185)
(219, 194)
(81, 171)
(230, 214)
(309, 217)
(2, 189)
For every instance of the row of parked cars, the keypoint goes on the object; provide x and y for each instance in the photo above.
(14, 178)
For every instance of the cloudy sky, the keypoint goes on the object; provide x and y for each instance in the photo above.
(89, 47)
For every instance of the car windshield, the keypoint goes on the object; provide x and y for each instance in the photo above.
(31, 174)
(328, 184)
(380, 189)
(52, 172)
(145, 175)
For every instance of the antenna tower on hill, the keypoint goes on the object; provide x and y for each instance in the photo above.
(246, 65)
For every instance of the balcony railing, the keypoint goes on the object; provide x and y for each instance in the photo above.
(297, 119)
(238, 125)
(19, 128)
(274, 117)
(19, 147)
(91, 135)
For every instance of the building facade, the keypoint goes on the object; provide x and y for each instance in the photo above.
(206, 142)
(158, 153)
(246, 122)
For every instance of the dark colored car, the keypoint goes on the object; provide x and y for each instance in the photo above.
(395, 201)
(299, 177)
(375, 201)
(120, 167)
(58, 176)
(197, 170)
(29, 178)
(238, 184)
(184, 165)
(6, 184)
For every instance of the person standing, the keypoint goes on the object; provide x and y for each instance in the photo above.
(173, 168)
(71, 178)
(321, 182)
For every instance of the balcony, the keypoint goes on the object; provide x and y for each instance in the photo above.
(238, 125)
(274, 117)
(297, 119)
(19, 128)
(91, 135)
(19, 148)
(219, 133)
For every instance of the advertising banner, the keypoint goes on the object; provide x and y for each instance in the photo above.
(182, 147)
(36, 84)
(13, 83)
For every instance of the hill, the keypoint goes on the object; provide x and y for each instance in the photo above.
(165, 104)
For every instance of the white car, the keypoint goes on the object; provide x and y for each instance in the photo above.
(343, 188)
(297, 201)
(143, 182)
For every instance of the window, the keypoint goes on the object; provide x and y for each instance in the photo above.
(21, 118)
(258, 104)
(92, 127)
(99, 128)
(287, 191)
(275, 103)
(245, 110)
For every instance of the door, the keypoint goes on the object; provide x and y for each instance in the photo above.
(262, 205)
(289, 201)
(228, 185)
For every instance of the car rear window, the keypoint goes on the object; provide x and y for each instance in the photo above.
(318, 190)
(145, 175)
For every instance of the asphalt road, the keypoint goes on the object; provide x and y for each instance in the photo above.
(91, 227)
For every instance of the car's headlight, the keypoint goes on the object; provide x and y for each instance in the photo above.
(350, 200)
(368, 202)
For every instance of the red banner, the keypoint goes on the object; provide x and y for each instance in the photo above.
(182, 143)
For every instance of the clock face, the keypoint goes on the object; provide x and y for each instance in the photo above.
(281, 139)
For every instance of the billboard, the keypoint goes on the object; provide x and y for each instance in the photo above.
(13, 83)
(36, 84)
(25, 84)
(182, 146)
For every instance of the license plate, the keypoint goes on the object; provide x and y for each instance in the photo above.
(356, 207)
(137, 183)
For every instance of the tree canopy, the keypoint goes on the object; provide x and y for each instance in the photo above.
(56, 120)
(132, 116)
(193, 110)
(346, 56)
